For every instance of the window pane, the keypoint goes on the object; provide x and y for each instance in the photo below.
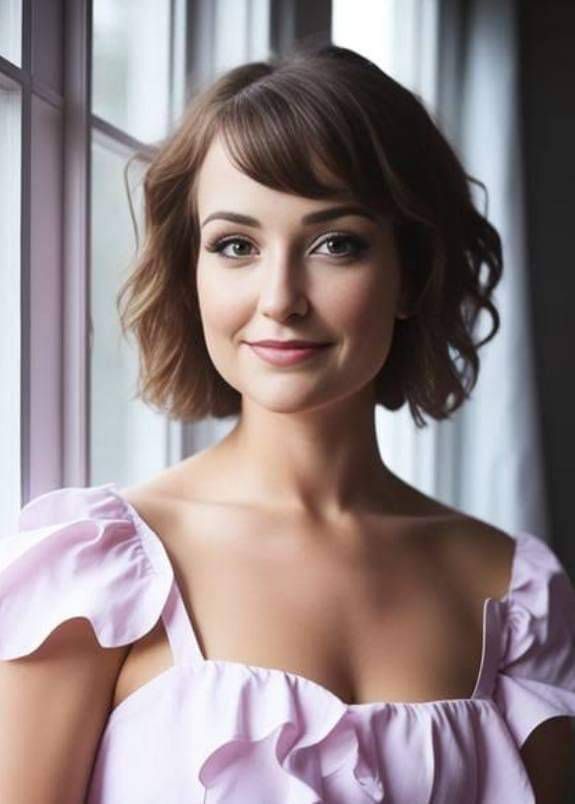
(11, 30)
(128, 440)
(131, 65)
(10, 349)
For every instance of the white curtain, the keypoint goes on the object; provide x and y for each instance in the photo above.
(487, 459)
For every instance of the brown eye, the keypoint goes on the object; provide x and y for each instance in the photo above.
(336, 241)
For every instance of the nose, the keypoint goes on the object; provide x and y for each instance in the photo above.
(282, 289)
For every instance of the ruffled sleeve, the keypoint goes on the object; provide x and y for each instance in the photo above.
(536, 678)
(77, 552)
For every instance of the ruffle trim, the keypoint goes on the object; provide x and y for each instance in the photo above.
(81, 551)
(306, 744)
(77, 553)
(299, 772)
(536, 674)
(534, 681)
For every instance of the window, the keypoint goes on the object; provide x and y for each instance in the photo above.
(11, 31)
(131, 65)
(138, 93)
(10, 290)
(132, 105)
(70, 119)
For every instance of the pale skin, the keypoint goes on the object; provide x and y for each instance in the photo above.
(293, 543)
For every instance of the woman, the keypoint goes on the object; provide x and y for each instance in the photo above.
(279, 618)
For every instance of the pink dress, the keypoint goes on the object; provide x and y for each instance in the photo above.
(215, 731)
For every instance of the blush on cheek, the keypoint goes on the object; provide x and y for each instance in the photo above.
(219, 309)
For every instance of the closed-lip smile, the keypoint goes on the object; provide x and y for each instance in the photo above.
(291, 344)
(287, 353)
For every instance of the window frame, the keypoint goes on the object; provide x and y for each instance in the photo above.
(57, 126)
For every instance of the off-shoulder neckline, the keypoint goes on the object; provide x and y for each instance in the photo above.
(520, 537)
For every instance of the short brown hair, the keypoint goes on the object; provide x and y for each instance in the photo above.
(277, 119)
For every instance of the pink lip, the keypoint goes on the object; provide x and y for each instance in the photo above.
(285, 357)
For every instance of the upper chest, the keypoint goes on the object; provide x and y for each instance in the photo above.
(371, 612)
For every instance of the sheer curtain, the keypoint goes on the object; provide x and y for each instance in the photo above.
(461, 60)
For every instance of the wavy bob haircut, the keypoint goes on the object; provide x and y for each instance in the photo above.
(280, 120)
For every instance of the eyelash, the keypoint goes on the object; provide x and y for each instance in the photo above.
(217, 245)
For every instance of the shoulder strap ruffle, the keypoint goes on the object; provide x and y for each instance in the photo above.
(77, 552)
(536, 675)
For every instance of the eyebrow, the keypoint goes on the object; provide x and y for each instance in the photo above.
(313, 217)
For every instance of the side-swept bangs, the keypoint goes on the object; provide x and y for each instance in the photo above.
(325, 123)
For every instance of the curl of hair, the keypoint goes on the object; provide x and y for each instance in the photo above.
(280, 120)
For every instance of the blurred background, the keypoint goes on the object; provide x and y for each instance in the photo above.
(84, 85)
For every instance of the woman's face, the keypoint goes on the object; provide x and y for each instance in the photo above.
(281, 277)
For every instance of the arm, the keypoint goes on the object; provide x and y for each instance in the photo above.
(548, 755)
(54, 704)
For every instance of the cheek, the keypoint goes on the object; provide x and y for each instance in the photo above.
(221, 314)
(221, 308)
(362, 310)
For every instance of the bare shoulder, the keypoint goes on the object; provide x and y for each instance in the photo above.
(153, 506)
(171, 500)
(141, 495)
(188, 480)
(156, 490)
(477, 552)
(482, 554)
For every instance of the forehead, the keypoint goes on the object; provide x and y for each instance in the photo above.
(220, 182)
(217, 170)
